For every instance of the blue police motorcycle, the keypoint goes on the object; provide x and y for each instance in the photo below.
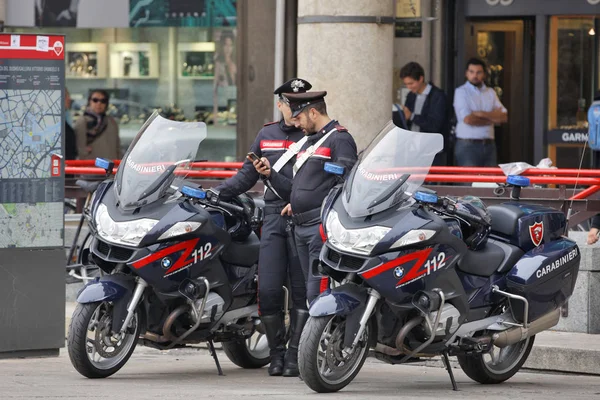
(421, 275)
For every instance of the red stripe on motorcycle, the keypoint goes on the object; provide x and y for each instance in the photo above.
(420, 257)
(188, 246)
(324, 284)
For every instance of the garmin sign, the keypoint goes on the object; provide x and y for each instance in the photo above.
(567, 136)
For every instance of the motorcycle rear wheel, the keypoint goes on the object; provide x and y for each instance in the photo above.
(248, 353)
(499, 365)
(324, 365)
(93, 350)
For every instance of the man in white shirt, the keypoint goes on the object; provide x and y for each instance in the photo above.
(477, 109)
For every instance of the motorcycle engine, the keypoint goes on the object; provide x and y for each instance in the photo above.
(448, 321)
(213, 310)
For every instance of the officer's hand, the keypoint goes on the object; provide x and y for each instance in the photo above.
(592, 236)
(287, 210)
(407, 113)
(263, 167)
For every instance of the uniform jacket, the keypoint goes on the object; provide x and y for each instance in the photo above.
(311, 184)
(272, 142)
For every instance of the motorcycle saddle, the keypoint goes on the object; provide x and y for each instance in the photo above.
(494, 257)
(243, 254)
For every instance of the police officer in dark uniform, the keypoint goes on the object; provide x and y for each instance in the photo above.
(327, 142)
(277, 258)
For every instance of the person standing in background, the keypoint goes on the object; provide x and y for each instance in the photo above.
(96, 133)
(426, 106)
(477, 109)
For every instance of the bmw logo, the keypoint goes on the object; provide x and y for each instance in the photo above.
(166, 262)
(399, 272)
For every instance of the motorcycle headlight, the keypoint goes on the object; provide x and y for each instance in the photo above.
(129, 233)
(180, 228)
(412, 237)
(359, 241)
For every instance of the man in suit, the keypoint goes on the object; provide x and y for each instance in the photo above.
(426, 107)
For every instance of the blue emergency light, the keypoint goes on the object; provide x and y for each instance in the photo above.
(423, 197)
(102, 163)
(516, 180)
(334, 168)
(195, 193)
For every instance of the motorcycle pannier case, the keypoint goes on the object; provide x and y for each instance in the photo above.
(545, 276)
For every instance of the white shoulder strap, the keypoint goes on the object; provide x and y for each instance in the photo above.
(310, 151)
(291, 152)
(284, 159)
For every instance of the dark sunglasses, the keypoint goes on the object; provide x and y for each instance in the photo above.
(96, 100)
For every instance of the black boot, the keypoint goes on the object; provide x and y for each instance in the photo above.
(290, 365)
(275, 330)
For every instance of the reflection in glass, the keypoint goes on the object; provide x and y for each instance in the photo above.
(575, 71)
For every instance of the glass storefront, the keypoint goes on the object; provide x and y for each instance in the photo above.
(175, 56)
(574, 70)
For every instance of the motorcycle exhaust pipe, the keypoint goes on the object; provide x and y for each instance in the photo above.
(409, 326)
(517, 334)
(167, 336)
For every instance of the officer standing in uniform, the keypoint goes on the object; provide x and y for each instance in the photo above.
(277, 257)
(327, 142)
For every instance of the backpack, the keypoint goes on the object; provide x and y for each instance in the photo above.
(594, 126)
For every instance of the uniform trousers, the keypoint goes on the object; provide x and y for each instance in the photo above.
(309, 244)
(278, 260)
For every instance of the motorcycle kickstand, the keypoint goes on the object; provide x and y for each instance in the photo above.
(449, 369)
(213, 353)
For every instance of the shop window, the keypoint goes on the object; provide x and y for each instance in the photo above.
(574, 68)
(574, 63)
(188, 73)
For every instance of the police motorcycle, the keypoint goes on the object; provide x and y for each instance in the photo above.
(179, 264)
(420, 275)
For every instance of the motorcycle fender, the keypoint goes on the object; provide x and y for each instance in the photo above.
(115, 288)
(342, 300)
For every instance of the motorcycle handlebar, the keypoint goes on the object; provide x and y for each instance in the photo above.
(469, 217)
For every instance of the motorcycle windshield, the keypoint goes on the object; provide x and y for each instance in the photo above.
(157, 161)
(390, 170)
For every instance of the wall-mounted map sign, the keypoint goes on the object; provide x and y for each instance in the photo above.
(31, 137)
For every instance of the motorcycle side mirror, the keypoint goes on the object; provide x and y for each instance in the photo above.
(425, 197)
(105, 164)
(193, 192)
(333, 168)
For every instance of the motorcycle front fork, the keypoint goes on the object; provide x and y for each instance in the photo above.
(135, 300)
(374, 297)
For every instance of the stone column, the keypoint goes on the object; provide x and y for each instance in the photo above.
(346, 47)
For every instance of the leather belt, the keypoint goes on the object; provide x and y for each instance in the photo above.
(477, 140)
(310, 217)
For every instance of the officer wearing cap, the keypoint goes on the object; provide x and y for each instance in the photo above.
(277, 257)
(327, 141)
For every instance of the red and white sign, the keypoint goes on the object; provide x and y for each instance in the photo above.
(536, 232)
(40, 47)
(55, 166)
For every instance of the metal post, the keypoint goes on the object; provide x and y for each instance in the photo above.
(279, 50)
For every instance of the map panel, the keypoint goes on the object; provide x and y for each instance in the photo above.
(31, 225)
(30, 131)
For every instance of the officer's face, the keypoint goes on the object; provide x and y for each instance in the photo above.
(305, 121)
(285, 110)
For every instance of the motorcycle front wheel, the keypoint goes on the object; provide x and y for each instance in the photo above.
(324, 364)
(94, 351)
